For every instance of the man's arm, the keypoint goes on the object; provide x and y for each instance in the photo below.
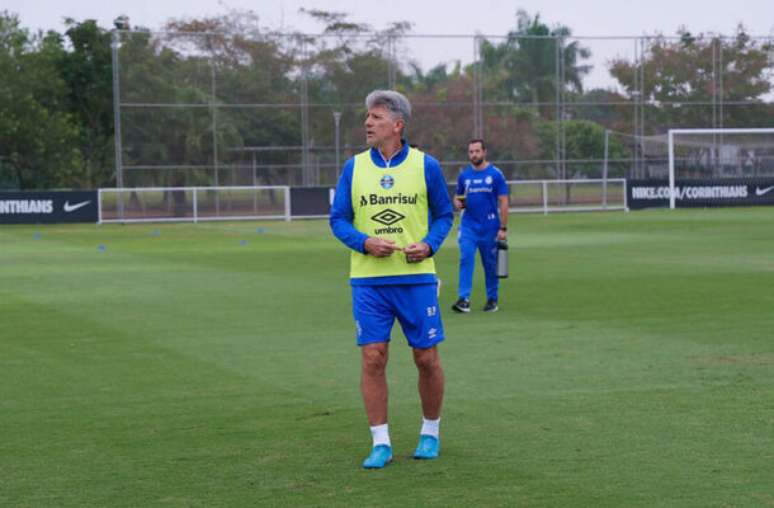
(440, 216)
(441, 212)
(502, 201)
(459, 194)
(342, 214)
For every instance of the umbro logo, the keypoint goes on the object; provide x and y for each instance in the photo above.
(388, 217)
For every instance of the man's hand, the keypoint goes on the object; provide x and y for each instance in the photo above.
(380, 247)
(502, 235)
(459, 204)
(416, 252)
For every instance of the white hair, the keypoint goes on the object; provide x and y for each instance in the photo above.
(395, 102)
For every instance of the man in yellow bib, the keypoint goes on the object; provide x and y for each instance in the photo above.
(393, 210)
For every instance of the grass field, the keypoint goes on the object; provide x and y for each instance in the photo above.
(631, 364)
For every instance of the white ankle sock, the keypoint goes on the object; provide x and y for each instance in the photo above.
(380, 435)
(430, 427)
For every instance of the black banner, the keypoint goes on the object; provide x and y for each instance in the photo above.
(701, 193)
(48, 207)
(310, 201)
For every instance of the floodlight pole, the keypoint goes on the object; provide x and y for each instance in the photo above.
(337, 123)
(114, 45)
(604, 168)
(478, 95)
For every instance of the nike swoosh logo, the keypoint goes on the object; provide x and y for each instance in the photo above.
(761, 192)
(71, 208)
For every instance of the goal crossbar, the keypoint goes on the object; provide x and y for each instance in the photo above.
(720, 132)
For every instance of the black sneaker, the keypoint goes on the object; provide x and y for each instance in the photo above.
(462, 305)
(491, 306)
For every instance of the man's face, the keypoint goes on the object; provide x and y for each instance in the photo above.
(380, 126)
(476, 153)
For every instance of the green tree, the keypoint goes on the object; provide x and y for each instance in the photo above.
(682, 80)
(343, 64)
(38, 136)
(523, 68)
(584, 141)
(87, 72)
(238, 62)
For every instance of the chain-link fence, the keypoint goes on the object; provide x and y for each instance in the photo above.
(207, 109)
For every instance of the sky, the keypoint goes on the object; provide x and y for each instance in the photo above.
(585, 17)
(589, 18)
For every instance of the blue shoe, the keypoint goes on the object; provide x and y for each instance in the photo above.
(428, 448)
(381, 455)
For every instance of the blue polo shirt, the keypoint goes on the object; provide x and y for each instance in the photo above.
(481, 189)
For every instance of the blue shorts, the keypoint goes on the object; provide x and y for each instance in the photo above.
(375, 309)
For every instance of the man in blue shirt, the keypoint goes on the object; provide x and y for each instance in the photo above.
(392, 210)
(483, 194)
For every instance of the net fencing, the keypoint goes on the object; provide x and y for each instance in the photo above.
(722, 153)
(265, 108)
(703, 153)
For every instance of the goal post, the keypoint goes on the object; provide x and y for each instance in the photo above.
(718, 153)
(193, 204)
(578, 195)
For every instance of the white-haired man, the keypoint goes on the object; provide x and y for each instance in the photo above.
(392, 209)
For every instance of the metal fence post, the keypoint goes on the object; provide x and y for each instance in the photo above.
(196, 204)
(604, 168)
(287, 204)
(337, 124)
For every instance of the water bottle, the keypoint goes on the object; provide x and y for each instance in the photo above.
(502, 259)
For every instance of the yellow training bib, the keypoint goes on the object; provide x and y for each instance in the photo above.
(390, 203)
